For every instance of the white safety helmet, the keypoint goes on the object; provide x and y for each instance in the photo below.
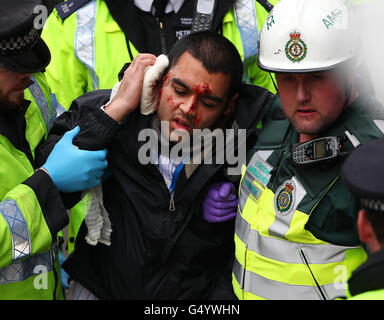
(306, 36)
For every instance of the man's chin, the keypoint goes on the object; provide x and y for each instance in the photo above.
(312, 131)
(13, 102)
(308, 128)
(179, 134)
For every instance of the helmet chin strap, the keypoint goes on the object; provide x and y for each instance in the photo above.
(347, 93)
(273, 81)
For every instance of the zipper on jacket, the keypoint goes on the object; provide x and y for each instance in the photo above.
(319, 288)
(172, 207)
(159, 6)
(162, 36)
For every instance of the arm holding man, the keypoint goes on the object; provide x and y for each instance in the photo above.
(32, 211)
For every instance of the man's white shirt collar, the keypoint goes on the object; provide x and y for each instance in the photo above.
(146, 5)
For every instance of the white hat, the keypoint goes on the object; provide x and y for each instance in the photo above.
(306, 36)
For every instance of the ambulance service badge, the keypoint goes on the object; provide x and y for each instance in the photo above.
(295, 49)
(284, 197)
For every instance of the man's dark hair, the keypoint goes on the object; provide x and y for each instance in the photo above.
(215, 52)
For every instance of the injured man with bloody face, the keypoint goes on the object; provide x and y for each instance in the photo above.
(158, 237)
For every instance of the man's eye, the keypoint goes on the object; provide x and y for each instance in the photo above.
(207, 104)
(317, 77)
(180, 92)
(287, 78)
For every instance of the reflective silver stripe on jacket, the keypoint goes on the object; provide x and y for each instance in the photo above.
(21, 270)
(48, 114)
(286, 252)
(21, 241)
(355, 142)
(379, 124)
(246, 19)
(274, 290)
(85, 39)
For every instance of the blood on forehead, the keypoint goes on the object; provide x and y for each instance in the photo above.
(199, 90)
(203, 89)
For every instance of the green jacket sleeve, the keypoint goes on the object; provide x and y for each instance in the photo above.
(30, 216)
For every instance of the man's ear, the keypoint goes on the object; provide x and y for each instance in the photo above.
(364, 227)
(231, 104)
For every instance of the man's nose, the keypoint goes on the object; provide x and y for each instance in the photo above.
(303, 93)
(189, 105)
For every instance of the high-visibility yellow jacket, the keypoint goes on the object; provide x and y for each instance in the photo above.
(367, 281)
(295, 236)
(31, 211)
(89, 49)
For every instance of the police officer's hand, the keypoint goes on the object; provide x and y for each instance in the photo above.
(221, 202)
(72, 169)
(127, 98)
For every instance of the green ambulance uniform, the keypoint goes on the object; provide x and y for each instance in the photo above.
(30, 211)
(295, 236)
(92, 50)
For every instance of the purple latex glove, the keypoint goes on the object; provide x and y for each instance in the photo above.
(220, 203)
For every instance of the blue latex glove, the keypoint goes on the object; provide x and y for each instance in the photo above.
(63, 275)
(72, 169)
(221, 202)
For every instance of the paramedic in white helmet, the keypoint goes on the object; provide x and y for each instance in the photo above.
(295, 234)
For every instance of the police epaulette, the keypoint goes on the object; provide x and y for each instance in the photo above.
(267, 6)
(66, 8)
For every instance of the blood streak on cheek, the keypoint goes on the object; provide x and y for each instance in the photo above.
(170, 101)
(193, 105)
(198, 119)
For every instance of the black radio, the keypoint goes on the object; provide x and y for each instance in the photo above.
(317, 150)
(203, 16)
